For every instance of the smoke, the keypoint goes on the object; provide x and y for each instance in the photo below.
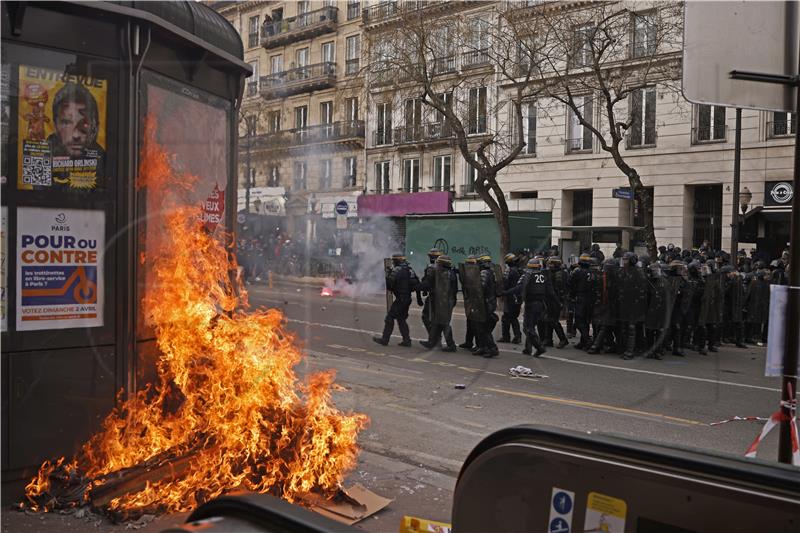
(372, 242)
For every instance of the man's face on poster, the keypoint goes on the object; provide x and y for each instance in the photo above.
(72, 126)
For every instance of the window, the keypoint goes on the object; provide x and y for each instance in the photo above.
(353, 45)
(643, 118)
(326, 118)
(302, 56)
(477, 44)
(644, 34)
(252, 86)
(303, 6)
(299, 182)
(529, 127)
(273, 176)
(441, 173)
(382, 179)
(411, 175)
(443, 50)
(349, 172)
(579, 136)
(250, 124)
(252, 181)
(301, 116)
(276, 64)
(710, 124)
(351, 109)
(441, 128)
(471, 175)
(477, 110)
(325, 174)
(274, 121)
(783, 124)
(252, 32)
(582, 47)
(328, 52)
(353, 9)
(413, 119)
(383, 132)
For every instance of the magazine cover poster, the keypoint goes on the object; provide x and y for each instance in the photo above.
(62, 130)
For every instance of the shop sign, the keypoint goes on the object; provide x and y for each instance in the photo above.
(212, 209)
(62, 130)
(778, 193)
(59, 268)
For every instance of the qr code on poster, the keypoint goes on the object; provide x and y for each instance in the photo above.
(36, 170)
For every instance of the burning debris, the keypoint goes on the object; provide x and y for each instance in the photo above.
(227, 411)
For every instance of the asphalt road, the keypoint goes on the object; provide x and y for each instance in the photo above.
(422, 427)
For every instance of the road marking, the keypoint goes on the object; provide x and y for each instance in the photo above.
(359, 369)
(592, 405)
(570, 361)
(402, 407)
(428, 420)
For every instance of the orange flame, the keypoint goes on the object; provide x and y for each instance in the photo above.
(226, 394)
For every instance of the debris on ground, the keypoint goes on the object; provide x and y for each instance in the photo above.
(460, 386)
(520, 371)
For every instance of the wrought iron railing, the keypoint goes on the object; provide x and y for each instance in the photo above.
(443, 65)
(781, 128)
(579, 144)
(335, 131)
(299, 23)
(474, 58)
(298, 75)
(351, 66)
(382, 137)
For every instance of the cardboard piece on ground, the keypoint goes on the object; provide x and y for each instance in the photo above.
(352, 505)
(412, 524)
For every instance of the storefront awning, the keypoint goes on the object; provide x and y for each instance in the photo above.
(400, 205)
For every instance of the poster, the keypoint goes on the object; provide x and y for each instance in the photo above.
(3, 267)
(59, 268)
(604, 514)
(62, 130)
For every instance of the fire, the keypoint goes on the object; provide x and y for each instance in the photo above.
(227, 400)
(326, 291)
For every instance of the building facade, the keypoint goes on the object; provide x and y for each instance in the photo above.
(301, 148)
(313, 116)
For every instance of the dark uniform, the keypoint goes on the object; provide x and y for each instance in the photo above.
(469, 335)
(581, 292)
(512, 304)
(484, 329)
(734, 303)
(433, 253)
(401, 281)
(659, 307)
(442, 287)
(558, 277)
(710, 316)
(679, 299)
(604, 315)
(757, 305)
(536, 289)
(632, 303)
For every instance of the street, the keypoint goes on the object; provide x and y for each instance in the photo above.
(422, 427)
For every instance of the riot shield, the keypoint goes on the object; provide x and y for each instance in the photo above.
(440, 297)
(474, 304)
(387, 267)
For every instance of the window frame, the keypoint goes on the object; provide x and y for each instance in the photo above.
(586, 135)
(352, 54)
(440, 163)
(350, 171)
(325, 174)
(526, 126)
(412, 181)
(650, 45)
(383, 123)
(303, 166)
(712, 122)
(383, 177)
(790, 122)
(251, 42)
(643, 120)
(477, 122)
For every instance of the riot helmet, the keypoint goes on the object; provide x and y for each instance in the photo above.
(585, 260)
(471, 260)
(644, 260)
(485, 260)
(444, 260)
(629, 258)
(433, 253)
(554, 263)
(534, 264)
(510, 259)
(654, 270)
(398, 258)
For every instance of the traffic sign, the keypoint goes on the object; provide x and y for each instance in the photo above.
(623, 193)
(342, 207)
(559, 525)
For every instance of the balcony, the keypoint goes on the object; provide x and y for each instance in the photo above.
(304, 26)
(351, 66)
(475, 58)
(382, 137)
(388, 11)
(408, 134)
(382, 77)
(423, 133)
(443, 65)
(252, 89)
(708, 135)
(781, 128)
(442, 188)
(348, 134)
(298, 80)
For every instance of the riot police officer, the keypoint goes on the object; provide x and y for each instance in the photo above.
(511, 304)
(604, 311)
(757, 304)
(658, 310)
(558, 277)
(442, 287)
(433, 253)
(710, 308)
(401, 280)
(536, 290)
(734, 301)
(632, 304)
(679, 300)
(581, 291)
(471, 294)
(483, 333)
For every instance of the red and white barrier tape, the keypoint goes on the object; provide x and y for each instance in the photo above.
(776, 418)
(738, 418)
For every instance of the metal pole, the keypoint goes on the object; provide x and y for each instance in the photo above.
(789, 380)
(247, 179)
(737, 164)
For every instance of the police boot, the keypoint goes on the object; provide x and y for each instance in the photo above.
(540, 349)
(517, 333)
(597, 345)
(739, 336)
(505, 328)
(402, 325)
(388, 326)
(528, 350)
(712, 337)
(700, 339)
(630, 342)
(677, 342)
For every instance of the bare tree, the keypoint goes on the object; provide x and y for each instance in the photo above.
(450, 57)
(604, 60)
